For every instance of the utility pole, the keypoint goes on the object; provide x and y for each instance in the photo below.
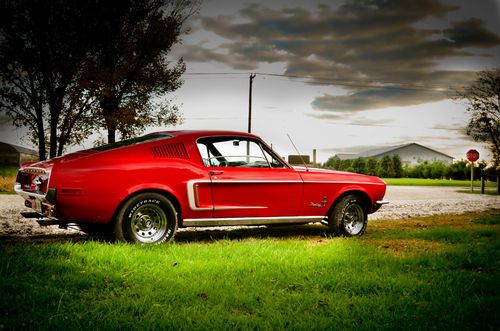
(252, 76)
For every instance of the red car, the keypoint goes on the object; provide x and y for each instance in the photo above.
(144, 188)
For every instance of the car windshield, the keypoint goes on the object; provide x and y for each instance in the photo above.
(133, 141)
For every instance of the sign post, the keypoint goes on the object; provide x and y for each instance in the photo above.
(472, 156)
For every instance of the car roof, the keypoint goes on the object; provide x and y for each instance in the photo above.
(204, 133)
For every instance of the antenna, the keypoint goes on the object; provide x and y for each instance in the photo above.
(296, 149)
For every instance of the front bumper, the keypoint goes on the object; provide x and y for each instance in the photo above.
(379, 204)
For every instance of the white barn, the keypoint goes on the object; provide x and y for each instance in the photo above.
(411, 154)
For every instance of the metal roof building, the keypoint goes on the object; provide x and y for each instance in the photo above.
(411, 154)
(13, 155)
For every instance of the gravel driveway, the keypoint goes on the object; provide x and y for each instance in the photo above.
(406, 201)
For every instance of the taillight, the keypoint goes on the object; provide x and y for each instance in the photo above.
(33, 179)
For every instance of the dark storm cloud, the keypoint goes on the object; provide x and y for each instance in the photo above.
(374, 98)
(359, 45)
(471, 33)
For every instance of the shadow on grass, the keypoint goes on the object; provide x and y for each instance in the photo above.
(190, 235)
(187, 235)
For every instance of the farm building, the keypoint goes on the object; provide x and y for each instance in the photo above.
(411, 154)
(12, 155)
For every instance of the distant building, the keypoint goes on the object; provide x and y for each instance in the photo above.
(12, 155)
(411, 154)
(299, 159)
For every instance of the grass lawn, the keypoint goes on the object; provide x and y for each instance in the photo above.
(434, 182)
(432, 273)
(7, 179)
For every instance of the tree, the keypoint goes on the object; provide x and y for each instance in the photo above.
(371, 166)
(386, 167)
(332, 163)
(359, 165)
(483, 98)
(130, 67)
(42, 44)
(63, 61)
(398, 166)
(345, 165)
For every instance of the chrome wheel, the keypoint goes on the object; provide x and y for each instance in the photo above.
(353, 219)
(148, 223)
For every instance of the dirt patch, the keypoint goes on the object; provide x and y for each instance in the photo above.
(404, 247)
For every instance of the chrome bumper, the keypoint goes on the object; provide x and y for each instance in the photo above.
(379, 204)
(41, 203)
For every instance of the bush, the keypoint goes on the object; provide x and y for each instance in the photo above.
(392, 167)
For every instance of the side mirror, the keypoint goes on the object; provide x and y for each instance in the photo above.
(236, 142)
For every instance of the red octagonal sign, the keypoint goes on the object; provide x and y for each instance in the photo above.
(472, 155)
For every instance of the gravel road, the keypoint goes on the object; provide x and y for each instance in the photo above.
(405, 201)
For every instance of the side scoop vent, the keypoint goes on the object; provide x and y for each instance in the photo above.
(173, 150)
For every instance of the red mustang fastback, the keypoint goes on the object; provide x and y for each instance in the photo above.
(144, 188)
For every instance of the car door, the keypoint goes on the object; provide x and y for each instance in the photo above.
(249, 181)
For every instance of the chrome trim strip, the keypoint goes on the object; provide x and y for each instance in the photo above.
(28, 169)
(251, 220)
(193, 196)
(341, 182)
(193, 199)
(252, 181)
(28, 195)
(382, 202)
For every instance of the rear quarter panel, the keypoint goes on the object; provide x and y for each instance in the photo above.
(90, 189)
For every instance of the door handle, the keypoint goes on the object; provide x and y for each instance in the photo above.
(216, 172)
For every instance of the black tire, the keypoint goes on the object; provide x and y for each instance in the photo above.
(349, 217)
(146, 218)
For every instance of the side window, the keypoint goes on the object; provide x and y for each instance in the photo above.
(205, 154)
(240, 153)
(273, 161)
(233, 152)
(237, 152)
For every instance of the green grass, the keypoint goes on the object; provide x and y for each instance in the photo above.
(431, 273)
(433, 182)
(7, 171)
(7, 179)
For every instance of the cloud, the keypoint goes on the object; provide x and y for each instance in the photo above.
(360, 44)
(471, 33)
(365, 99)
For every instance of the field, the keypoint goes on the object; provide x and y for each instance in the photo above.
(433, 273)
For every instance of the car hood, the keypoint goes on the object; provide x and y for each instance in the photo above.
(329, 175)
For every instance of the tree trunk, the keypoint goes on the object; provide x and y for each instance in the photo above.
(498, 184)
(111, 135)
(42, 151)
(53, 137)
(109, 107)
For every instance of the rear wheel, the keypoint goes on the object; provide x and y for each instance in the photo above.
(349, 217)
(146, 218)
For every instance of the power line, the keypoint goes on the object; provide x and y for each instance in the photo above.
(334, 81)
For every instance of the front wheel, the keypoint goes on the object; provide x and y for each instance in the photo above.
(146, 218)
(349, 217)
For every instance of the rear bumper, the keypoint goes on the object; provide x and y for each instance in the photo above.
(40, 203)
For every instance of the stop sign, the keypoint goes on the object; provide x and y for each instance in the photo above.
(472, 155)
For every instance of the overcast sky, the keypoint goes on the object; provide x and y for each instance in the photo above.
(338, 76)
